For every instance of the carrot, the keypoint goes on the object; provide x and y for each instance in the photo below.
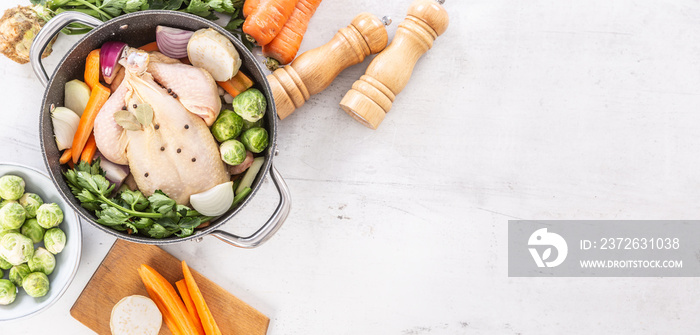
(236, 85)
(210, 327)
(172, 303)
(92, 68)
(250, 6)
(269, 18)
(286, 44)
(153, 46)
(167, 317)
(89, 150)
(65, 158)
(187, 299)
(98, 97)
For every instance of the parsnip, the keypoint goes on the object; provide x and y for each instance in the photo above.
(212, 51)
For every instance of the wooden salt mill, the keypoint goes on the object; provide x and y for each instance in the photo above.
(315, 69)
(371, 97)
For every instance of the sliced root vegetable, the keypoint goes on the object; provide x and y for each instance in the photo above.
(165, 292)
(110, 54)
(135, 314)
(187, 299)
(210, 326)
(210, 50)
(98, 97)
(172, 42)
(214, 201)
(250, 175)
(236, 85)
(92, 68)
(65, 124)
(76, 96)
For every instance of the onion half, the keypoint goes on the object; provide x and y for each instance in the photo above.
(172, 42)
(215, 201)
(110, 53)
(65, 124)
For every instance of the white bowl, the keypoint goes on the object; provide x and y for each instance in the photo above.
(66, 261)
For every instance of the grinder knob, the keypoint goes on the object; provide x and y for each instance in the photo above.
(371, 97)
(315, 69)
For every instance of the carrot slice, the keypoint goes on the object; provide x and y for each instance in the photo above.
(153, 46)
(269, 18)
(167, 317)
(65, 157)
(187, 299)
(171, 301)
(286, 44)
(210, 327)
(92, 68)
(236, 85)
(98, 97)
(89, 150)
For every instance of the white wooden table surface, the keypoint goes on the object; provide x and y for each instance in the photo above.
(537, 109)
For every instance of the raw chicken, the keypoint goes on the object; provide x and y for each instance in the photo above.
(176, 152)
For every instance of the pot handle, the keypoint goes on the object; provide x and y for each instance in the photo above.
(271, 226)
(46, 34)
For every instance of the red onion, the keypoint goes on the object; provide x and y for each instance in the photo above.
(110, 53)
(172, 42)
(115, 173)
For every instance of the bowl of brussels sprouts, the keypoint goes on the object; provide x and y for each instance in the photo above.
(40, 242)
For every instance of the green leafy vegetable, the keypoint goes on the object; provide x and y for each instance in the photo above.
(157, 216)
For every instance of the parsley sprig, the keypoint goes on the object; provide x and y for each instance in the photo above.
(157, 216)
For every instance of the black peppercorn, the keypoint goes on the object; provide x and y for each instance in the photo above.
(170, 90)
(162, 148)
(146, 175)
(179, 150)
(194, 159)
(156, 126)
(135, 106)
(187, 126)
(123, 107)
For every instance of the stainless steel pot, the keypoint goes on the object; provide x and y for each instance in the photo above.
(138, 29)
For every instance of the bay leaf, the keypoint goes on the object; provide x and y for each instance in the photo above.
(144, 114)
(127, 120)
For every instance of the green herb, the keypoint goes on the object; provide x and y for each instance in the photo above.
(109, 9)
(157, 216)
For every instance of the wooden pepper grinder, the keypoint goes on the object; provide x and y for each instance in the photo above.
(371, 97)
(315, 69)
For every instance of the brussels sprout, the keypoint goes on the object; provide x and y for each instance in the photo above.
(33, 230)
(54, 240)
(247, 124)
(227, 126)
(11, 187)
(36, 284)
(5, 202)
(5, 265)
(42, 261)
(49, 215)
(232, 152)
(5, 232)
(16, 248)
(18, 272)
(31, 203)
(8, 292)
(250, 105)
(255, 139)
(12, 216)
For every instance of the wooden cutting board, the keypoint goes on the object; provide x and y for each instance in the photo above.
(116, 278)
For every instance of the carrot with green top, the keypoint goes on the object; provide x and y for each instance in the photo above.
(98, 97)
(286, 44)
(267, 21)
